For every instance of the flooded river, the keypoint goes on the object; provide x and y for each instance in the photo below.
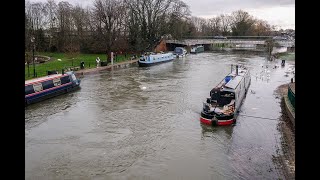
(143, 123)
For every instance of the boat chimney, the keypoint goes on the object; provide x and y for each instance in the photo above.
(237, 70)
(231, 67)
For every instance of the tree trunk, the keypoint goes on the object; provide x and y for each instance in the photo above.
(108, 55)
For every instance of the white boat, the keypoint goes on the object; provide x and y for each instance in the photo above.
(197, 49)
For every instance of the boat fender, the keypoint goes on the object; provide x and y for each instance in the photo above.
(214, 121)
(234, 121)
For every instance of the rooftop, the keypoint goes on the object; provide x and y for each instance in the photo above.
(42, 78)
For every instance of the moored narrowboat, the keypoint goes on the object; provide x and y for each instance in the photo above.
(46, 87)
(153, 59)
(180, 52)
(197, 49)
(226, 98)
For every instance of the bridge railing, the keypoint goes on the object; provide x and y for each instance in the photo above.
(228, 37)
(230, 41)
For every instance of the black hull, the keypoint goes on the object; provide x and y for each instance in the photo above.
(152, 64)
(56, 93)
(210, 116)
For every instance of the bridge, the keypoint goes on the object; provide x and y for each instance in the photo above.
(232, 41)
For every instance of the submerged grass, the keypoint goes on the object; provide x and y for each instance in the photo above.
(287, 56)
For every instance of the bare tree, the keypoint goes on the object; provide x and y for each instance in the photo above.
(64, 24)
(149, 19)
(270, 44)
(178, 25)
(215, 26)
(123, 25)
(108, 14)
(242, 23)
(225, 24)
(261, 28)
(51, 8)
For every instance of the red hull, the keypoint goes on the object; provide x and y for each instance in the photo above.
(205, 121)
(220, 122)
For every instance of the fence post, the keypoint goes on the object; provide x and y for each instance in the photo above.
(111, 58)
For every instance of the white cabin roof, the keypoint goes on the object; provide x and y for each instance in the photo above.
(161, 55)
(233, 83)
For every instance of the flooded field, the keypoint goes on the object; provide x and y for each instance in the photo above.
(143, 123)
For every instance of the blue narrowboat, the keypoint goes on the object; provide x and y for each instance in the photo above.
(180, 52)
(46, 87)
(152, 59)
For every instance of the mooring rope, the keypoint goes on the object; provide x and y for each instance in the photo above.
(258, 117)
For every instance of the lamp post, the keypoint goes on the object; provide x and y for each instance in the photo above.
(34, 68)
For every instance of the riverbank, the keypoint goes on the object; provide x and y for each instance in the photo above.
(288, 56)
(59, 61)
(80, 73)
(286, 160)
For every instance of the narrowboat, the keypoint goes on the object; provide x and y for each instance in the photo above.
(180, 52)
(197, 49)
(52, 85)
(150, 59)
(225, 100)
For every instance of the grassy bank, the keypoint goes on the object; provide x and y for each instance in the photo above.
(286, 56)
(65, 61)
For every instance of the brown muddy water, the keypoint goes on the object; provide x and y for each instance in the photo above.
(143, 123)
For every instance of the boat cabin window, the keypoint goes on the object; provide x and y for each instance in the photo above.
(56, 82)
(65, 79)
(37, 87)
(29, 89)
(47, 84)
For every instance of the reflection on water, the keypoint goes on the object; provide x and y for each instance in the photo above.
(143, 123)
(210, 131)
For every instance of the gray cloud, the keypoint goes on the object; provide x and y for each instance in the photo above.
(216, 7)
(82, 3)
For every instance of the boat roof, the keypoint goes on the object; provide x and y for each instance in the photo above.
(233, 83)
(236, 79)
(160, 54)
(180, 48)
(31, 81)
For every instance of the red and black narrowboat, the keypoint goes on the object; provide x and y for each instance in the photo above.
(225, 100)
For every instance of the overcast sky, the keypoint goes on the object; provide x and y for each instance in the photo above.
(277, 12)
